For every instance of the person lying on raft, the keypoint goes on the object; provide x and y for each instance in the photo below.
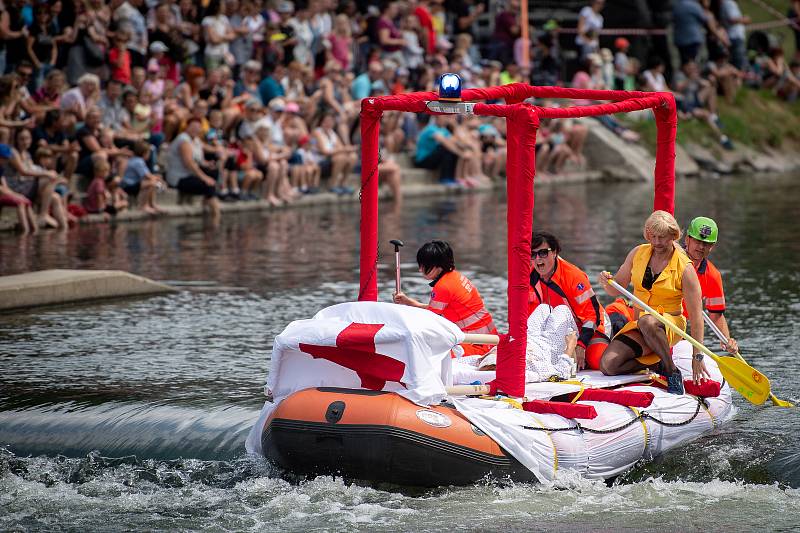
(555, 281)
(663, 277)
(550, 345)
(701, 237)
(453, 296)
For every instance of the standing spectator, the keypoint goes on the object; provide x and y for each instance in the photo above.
(590, 22)
(733, 21)
(339, 43)
(187, 169)
(242, 44)
(621, 62)
(41, 45)
(129, 18)
(689, 19)
(390, 38)
(506, 31)
(119, 58)
(218, 34)
(794, 14)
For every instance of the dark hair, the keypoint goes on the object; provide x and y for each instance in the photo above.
(51, 118)
(436, 254)
(542, 236)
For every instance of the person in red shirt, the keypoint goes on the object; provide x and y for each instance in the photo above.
(701, 237)
(555, 281)
(453, 296)
(119, 58)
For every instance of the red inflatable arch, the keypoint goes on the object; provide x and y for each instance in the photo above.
(522, 121)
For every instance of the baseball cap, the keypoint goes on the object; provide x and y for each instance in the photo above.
(621, 43)
(158, 46)
(292, 107)
(253, 103)
(277, 104)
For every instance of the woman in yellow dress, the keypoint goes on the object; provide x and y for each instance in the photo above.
(662, 277)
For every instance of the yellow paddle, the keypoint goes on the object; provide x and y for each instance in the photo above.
(721, 336)
(750, 383)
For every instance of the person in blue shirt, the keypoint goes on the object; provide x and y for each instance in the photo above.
(138, 179)
(436, 148)
(361, 87)
(270, 87)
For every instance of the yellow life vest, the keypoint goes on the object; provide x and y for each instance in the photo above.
(667, 290)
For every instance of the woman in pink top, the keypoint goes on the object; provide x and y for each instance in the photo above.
(340, 42)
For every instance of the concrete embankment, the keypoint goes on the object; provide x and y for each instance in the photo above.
(55, 287)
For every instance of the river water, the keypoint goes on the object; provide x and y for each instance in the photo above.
(133, 414)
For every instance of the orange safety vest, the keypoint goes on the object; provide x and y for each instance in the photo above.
(711, 287)
(569, 285)
(455, 298)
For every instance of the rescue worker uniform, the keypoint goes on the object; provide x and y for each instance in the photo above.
(711, 287)
(665, 295)
(455, 298)
(569, 285)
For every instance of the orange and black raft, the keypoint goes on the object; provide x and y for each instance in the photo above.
(382, 437)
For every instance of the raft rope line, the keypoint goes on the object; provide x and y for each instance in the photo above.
(641, 417)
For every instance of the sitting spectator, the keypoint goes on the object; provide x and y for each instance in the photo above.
(139, 182)
(11, 198)
(88, 139)
(777, 75)
(187, 169)
(79, 99)
(335, 157)
(436, 148)
(727, 78)
(653, 77)
(52, 134)
(97, 199)
(697, 98)
(41, 183)
(493, 148)
(49, 94)
(117, 197)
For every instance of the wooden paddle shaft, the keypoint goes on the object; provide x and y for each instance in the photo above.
(481, 338)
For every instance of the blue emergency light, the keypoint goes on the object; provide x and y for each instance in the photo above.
(450, 87)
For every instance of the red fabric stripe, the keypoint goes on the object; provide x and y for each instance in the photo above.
(567, 410)
(627, 398)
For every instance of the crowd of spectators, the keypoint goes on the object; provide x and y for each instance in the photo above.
(104, 104)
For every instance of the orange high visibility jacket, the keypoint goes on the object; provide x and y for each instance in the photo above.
(569, 285)
(455, 298)
(711, 285)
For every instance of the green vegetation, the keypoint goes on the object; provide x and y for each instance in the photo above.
(757, 119)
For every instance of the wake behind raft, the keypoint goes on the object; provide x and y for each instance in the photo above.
(360, 389)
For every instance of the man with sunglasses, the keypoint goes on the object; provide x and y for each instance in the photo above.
(701, 237)
(555, 281)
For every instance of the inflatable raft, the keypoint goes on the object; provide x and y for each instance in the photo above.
(381, 437)
(361, 389)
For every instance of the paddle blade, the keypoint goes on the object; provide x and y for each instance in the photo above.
(750, 383)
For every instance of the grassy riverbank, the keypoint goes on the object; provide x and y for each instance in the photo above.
(756, 119)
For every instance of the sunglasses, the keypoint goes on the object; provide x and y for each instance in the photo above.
(541, 253)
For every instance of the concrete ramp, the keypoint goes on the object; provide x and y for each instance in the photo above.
(54, 287)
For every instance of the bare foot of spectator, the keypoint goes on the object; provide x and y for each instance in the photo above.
(149, 210)
(46, 221)
(274, 201)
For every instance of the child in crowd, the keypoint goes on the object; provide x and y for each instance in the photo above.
(97, 197)
(621, 44)
(138, 180)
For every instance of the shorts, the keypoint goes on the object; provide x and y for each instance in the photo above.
(325, 166)
(27, 187)
(296, 158)
(13, 201)
(197, 187)
(649, 358)
(132, 189)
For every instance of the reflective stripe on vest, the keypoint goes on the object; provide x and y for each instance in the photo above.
(716, 302)
(584, 296)
(465, 323)
(437, 305)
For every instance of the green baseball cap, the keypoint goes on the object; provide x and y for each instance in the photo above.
(703, 229)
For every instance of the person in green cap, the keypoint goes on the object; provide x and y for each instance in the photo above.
(701, 236)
